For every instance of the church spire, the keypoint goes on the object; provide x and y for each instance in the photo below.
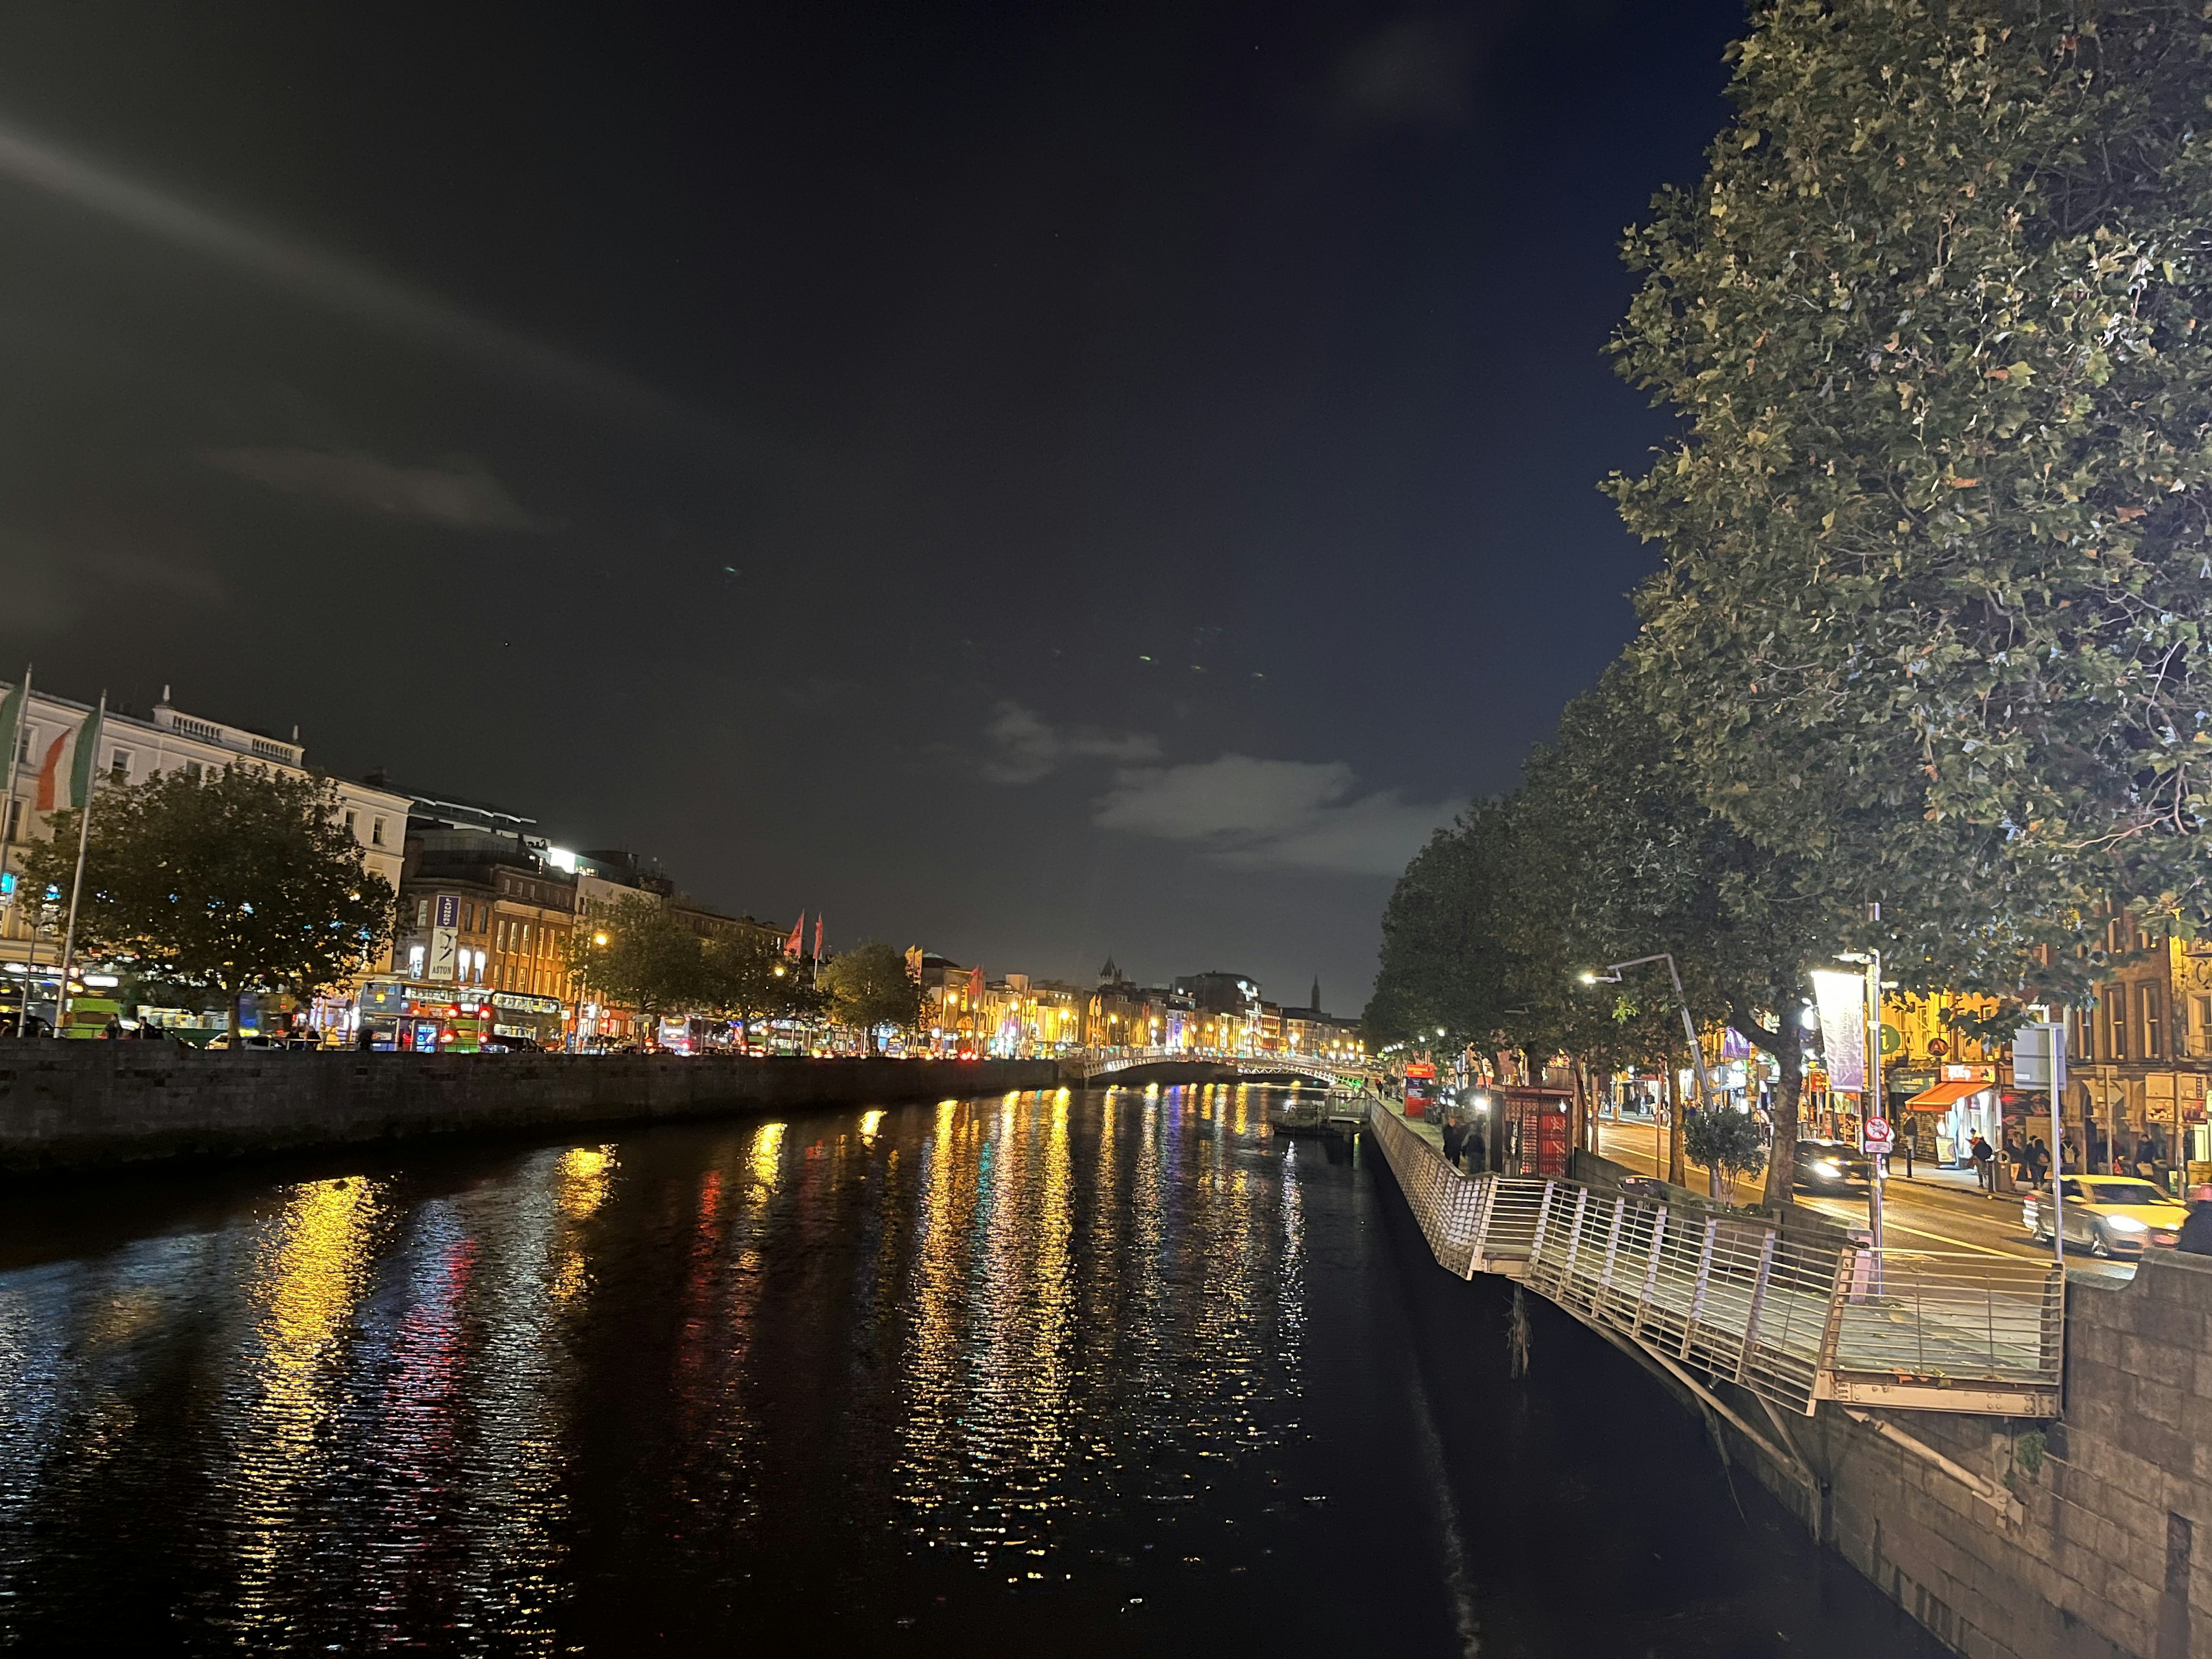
(1316, 1004)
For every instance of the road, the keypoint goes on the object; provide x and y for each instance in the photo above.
(1926, 1211)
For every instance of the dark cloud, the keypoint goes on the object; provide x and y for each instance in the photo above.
(1301, 814)
(1025, 746)
(48, 586)
(463, 493)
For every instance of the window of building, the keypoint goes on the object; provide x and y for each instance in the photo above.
(2117, 1003)
(2200, 1026)
(414, 961)
(118, 769)
(193, 770)
(376, 832)
(349, 824)
(2153, 1026)
(422, 912)
(15, 819)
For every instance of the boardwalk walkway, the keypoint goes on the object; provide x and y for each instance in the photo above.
(1794, 1315)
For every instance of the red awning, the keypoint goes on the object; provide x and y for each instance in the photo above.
(1944, 1096)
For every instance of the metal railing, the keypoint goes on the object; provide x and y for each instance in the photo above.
(1792, 1317)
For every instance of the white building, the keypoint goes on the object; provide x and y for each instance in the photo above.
(132, 749)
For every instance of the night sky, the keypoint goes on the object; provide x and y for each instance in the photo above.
(1032, 481)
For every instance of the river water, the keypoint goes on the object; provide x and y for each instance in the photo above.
(1104, 1373)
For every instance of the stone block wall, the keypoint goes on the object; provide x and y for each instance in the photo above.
(2100, 1546)
(76, 1105)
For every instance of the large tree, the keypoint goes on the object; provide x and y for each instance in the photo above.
(637, 954)
(868, 987)
(1938, 568)
(240, 881)
(748, 977)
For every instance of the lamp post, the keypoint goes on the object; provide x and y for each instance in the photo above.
(1611, 975)
(1877, 1106)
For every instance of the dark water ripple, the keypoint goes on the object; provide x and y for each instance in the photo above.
(1091, 1373)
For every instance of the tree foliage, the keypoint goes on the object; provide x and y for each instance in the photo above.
(1936, 571)
(240, 881)
(868, 987)
(1727, 1142)
(747, 977)
(637, 953)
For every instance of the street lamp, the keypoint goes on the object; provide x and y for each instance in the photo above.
(1876, 1106)
(1611, 975)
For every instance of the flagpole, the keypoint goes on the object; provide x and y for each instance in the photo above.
(8, 846)
(90, 733)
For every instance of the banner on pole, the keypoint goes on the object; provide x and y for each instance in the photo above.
(1841, 1000)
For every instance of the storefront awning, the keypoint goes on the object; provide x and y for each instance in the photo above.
(1944, 1096)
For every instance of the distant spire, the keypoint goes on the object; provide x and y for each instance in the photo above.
(1316, 1004)
(1110, 973)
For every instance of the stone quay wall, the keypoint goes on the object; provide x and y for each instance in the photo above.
(89, 1105)
(2088, 1536)
(2092, 1533)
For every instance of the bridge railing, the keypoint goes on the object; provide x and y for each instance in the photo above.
(1792, 1317)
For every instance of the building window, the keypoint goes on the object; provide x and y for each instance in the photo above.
(15, 819)
(349, 824)
(376, 832)
(2117, 1003)
(119, 769)
(193, 770)
(2152, 1026)
(422, 912)
(414, 961)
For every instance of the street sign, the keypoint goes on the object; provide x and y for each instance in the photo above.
(1878, 1134)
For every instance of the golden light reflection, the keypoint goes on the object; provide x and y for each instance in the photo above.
(309, 1271)
(870, 1122)
(768, 1156)
(581, 1183)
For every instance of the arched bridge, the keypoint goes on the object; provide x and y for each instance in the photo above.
(1106, 1065)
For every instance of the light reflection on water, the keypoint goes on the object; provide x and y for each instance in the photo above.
(359, 1409)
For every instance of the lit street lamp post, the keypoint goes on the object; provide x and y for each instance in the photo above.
(1611, 975)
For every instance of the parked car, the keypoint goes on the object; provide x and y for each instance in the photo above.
(2112, 1215)
(1831, 1166)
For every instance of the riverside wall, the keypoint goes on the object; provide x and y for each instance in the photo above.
(2088, 1536)
(90, 1105)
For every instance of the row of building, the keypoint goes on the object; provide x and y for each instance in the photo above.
(487, 904)
(488, 907)
(1213, 1013)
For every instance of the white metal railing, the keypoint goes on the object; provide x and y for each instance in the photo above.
(1794, 1318)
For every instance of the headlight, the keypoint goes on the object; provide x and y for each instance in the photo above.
(2125, 1224)
(1829, 1167)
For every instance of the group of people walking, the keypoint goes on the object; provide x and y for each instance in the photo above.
(1465, 1145)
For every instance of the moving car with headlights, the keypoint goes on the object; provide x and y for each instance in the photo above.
(2112, 1215)
(1831, 1166)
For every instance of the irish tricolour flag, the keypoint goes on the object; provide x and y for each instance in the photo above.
(65, 773)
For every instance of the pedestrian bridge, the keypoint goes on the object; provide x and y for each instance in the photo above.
(1715, 1295)
(1096, 1065)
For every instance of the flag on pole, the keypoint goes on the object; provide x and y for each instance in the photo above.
(65, 775)
(797, 943)
(11, 720)
(817, 938)
(976, 982)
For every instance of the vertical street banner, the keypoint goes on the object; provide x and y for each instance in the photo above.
(1841, 1000)
(445, 938)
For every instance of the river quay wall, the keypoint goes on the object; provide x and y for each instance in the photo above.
(2085, 1536)
(93, 1105)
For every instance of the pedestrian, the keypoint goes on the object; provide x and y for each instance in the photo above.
(1904, 1145)
(1454, 1137)
(2197, 1231)
(2145, 1157)
(1985, 1163)
(2039, 1160)
(1477, 1149)
(113, 1031)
